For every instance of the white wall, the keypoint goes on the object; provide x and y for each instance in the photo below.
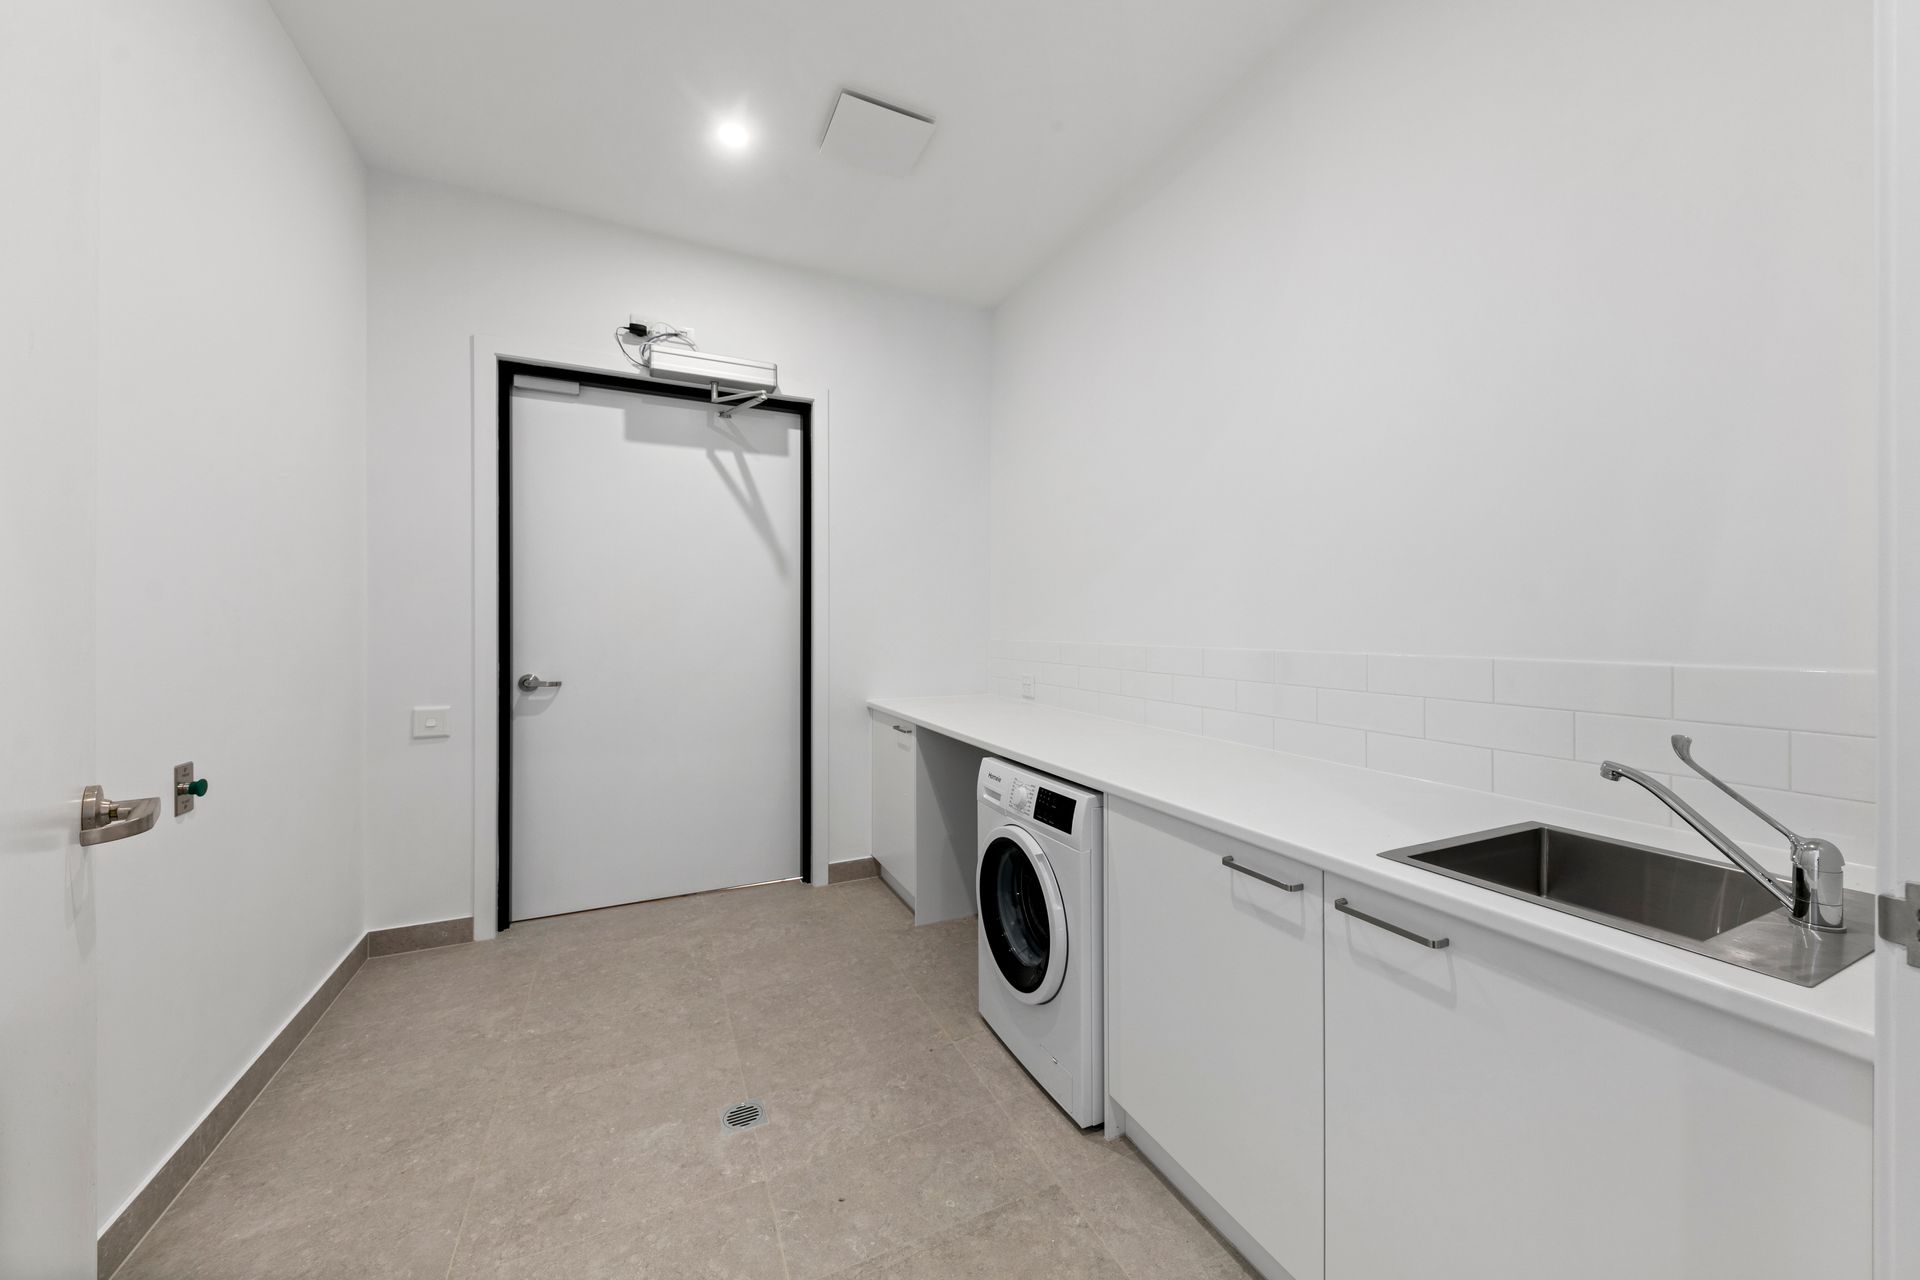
(907, 377)
(231, 556)
(1488, 327)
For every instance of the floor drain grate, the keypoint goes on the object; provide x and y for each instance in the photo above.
(745, 1116)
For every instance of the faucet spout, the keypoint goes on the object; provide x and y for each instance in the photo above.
(1613, 772)
(1818, 896)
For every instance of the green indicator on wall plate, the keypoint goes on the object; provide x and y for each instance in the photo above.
(186, 788)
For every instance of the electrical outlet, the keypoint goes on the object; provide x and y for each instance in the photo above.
(1026, 686)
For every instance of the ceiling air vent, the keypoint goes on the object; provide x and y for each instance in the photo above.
(872, 135)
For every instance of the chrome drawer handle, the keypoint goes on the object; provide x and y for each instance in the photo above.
(1340, 905)
(901, 728)
(1245, 870)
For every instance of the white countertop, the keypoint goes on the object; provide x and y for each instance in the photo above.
(1340, 818)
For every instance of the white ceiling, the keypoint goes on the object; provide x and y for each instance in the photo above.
(606, 107)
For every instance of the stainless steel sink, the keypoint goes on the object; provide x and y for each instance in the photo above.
(1710, 908)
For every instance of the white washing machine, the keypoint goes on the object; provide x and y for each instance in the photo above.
(1040, 889)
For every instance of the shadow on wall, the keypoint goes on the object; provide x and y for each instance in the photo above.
(701, 427)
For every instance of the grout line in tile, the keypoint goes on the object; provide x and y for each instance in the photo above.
(497, 1096)
(926, 1241)
(779, 1236)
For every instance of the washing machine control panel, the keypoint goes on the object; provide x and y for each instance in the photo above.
(1028, 796)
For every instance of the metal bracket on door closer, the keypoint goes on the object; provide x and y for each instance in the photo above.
(1900, 922)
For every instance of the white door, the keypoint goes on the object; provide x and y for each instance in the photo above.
(49, 104)
(656, 560)
(1897, 982)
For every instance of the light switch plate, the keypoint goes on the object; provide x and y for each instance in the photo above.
(1026, 686)
(431, 722)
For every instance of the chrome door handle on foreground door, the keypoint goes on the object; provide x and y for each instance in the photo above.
(102, 819)
(533, 683)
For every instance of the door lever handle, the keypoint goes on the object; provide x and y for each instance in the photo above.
(532, 684)
(102, 819)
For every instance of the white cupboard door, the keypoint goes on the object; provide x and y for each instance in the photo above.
(49, 329)
(894, 780)
(1214, 994)
(1496, 1112)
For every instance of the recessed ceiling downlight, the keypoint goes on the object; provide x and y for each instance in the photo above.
(732, 135)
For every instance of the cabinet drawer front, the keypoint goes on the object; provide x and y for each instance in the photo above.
(1499, 1112)
(1214, 1001)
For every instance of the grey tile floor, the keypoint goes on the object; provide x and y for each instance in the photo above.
(549, 1105)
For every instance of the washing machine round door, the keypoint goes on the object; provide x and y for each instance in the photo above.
(1022, 915)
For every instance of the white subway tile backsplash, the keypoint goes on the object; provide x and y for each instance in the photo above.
(1826, 764)
(1535, 730)
(1324, 670)
(1465, 679)
(1242, 664)
(1236, 726)
(1818, 701)
(1173, 715)
(1326, 741)
(1293, 701)
(1435, 761)
(1054, 695)
(1848, 823)
(1523, 727)
(1620, 688)
(1125, 657)
(1757, 757)
(1575, 784)
(1118, 707)
(1147, 684)
(1382, 712)
(1297, 702)
(1289, 700)
(1255, 698)
(1176, 661)
(1027, 651)
(1078, 699)
(1204, 691)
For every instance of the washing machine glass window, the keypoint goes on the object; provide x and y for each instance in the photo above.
(1023, 916)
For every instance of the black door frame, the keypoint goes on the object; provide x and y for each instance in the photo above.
(801, 409)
